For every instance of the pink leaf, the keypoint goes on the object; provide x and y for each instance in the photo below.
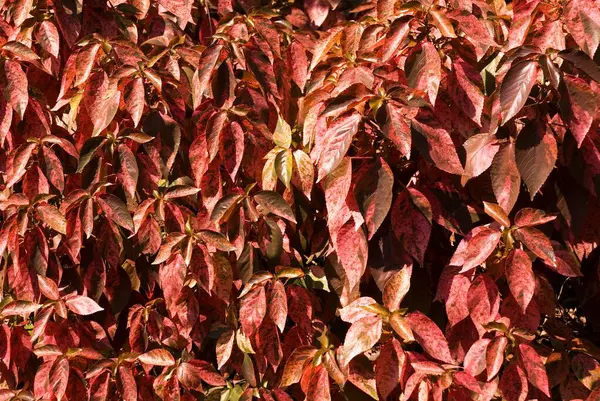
(83, 305)
(481, 150)
(352, 250)
(361, 337)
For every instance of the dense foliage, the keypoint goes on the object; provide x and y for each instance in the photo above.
(306, 200)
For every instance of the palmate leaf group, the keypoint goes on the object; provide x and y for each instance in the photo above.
(299, 200)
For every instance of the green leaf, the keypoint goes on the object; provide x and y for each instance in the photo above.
(216, 239)
(283, 166)
(283, 133)
(88, 150)
(274, 203)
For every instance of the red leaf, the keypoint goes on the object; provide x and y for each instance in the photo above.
(318, 387)
(194, 371)
(481, 150)
(425, 72)
(411, 222)
(566, 264)
(157, 357)
(48, 38)
(506, 179)
(278, 305)
(377, 204)
(537, 243)
(397, 129)
(48, 287)
(215, 239)
(516, 87)
(475, 248)
(224, 347)
(116, 211)
(351, 247)
(128, 172)
(128, 386)
(274, 203)
(582, 19)
(534, 367)
(483, 299)
(214, 131)
(135, 100)
(475, 358)
(464, 89)
(85, 62)
(298, 64)
(527, 217)
(303, 173)
(15, 91)
(253, 308)
(52, 217)
(389, 368)
(496, 213)
(495, 356)
(207, 65)
(101, 100)
(232, 148)
(429, 336)
(19, 163)
(199, 160)
(53, 169)
(513, 383)
(520, 277)
(339, 135)
(535, 153)
(336, 186)
(578, 105)
(355, 311)
(440, 147)
(59, 377)
(19, 308)
(295, 365)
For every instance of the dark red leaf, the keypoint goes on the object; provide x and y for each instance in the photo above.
(534, 367)
(535, 154)
(515, 88)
